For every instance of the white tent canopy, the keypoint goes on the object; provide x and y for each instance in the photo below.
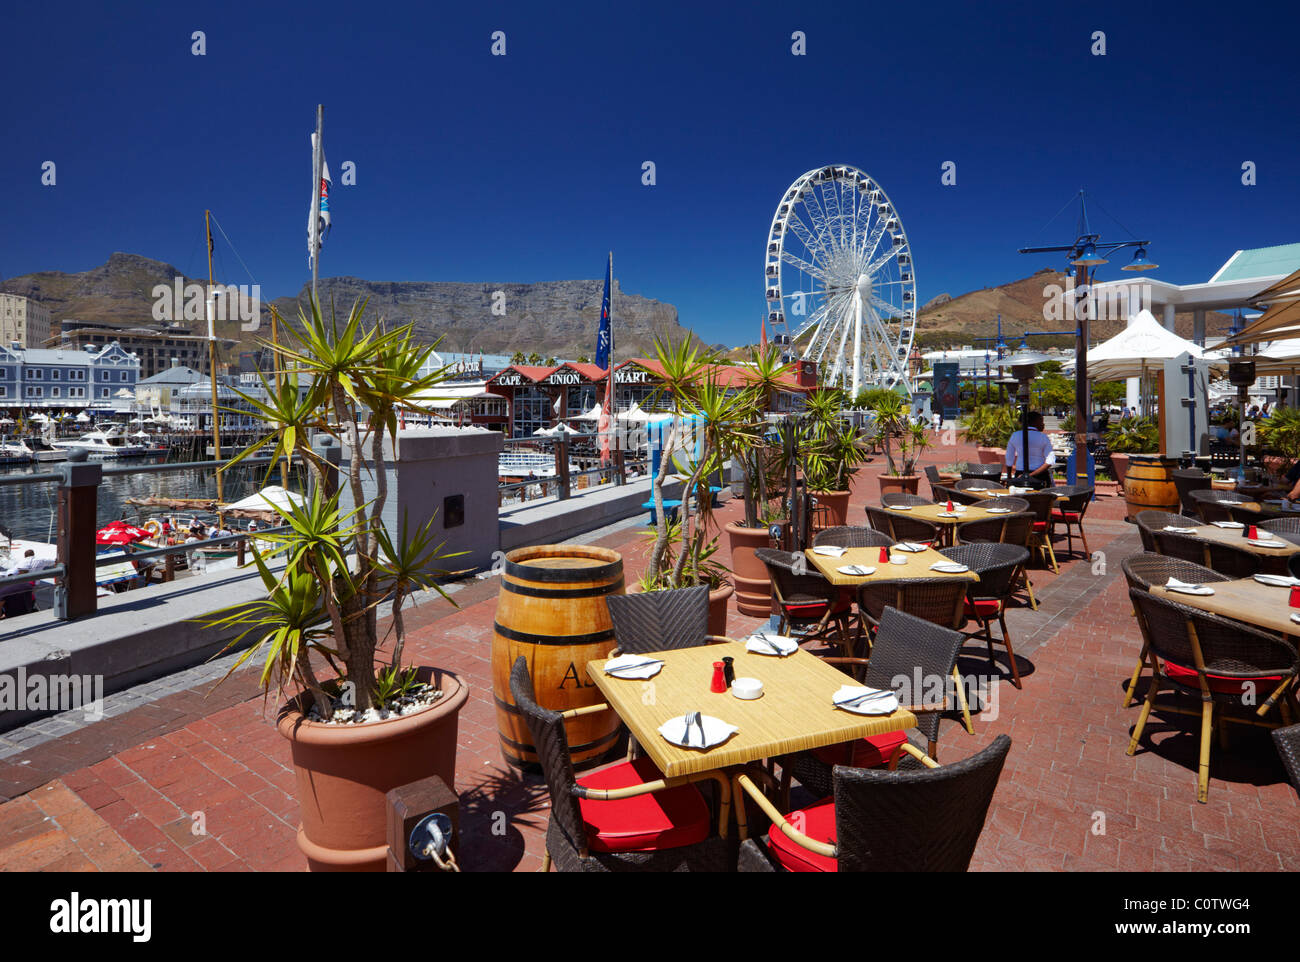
(636, 414)
(1142, 346)
(280, 499)
(592, 415)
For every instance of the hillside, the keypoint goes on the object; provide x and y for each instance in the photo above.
(551, 317)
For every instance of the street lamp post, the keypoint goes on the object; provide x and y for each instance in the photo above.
(1086, 253)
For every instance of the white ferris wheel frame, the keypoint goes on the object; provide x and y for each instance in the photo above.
(843, 255)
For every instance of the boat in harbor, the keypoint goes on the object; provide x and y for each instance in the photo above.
(104, 444)
(16, 452)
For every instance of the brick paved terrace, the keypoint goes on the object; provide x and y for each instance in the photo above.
(120, 794)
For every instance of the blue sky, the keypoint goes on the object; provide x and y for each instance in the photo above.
(527, 167)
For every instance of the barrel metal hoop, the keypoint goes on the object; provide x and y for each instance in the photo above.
(535, 639)
(595, 573)
(532, 592)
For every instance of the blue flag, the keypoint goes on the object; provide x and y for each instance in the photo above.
(605, 336)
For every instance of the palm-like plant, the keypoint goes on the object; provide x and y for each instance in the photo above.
(346, 381)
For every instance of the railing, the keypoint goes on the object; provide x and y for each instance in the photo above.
(75, 590)
(556, 460)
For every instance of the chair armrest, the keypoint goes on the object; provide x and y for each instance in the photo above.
(658, 785)
(585, 710)
(915, 752)
(799, 838)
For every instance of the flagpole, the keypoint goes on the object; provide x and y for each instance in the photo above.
(317, 162)
(210, 305)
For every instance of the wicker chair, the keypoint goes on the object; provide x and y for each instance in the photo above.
(894, 498)
(850, 536)
(933, 476)
(1287, 741)
(1141, 571)
(1187, 480)
(900, 527)
(986, 472)
(1223, 558)
(900, 821)
(954, 494)
(1151, 520)
(1288, 528)
(1071, 505)
(1213, 505)
(1041, 505)
(808, 603)
(1221, 660)
(907, 648)
(661, 620)
(999, 567)
(1009, 529)
(602, 823)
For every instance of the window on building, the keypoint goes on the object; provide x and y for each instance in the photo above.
(4, 391)
(36, 374)
(54, 392)
(54, 374)
(104, 392)
(532, 411)
(35, 391)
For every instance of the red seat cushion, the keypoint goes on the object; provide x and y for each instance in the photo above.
(667, 819)
(817, 822)
(1060, 515)
(1225, 686)
(1040, 525)
(815, 609)
(870, 752)
(983, 607)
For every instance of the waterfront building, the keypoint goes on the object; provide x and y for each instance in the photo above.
(158, 346)
(23, 319)
(96, 379)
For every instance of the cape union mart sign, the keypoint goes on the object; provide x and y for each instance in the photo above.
(515, 379)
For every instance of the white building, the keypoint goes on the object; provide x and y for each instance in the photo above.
(23, 320)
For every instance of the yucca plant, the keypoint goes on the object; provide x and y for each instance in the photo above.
(345, 380)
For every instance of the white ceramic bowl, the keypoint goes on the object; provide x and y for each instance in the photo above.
(747, 688)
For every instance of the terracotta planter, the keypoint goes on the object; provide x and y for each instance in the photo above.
(991, 455)
(838, 504)
(753, 586)
(343, 773)
(718, 601)
(1110, 488)
(908, 483)
(1119, 461)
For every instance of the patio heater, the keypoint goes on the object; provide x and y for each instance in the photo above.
(1024, 367)
(1241, 372)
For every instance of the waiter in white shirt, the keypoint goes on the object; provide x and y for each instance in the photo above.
(1038, 472)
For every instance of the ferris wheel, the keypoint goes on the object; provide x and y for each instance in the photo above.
(839, 281)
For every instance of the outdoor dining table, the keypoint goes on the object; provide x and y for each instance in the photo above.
(1232, 536)
(793, 714)
(939, 514)
(915, 565)
(1242, 599)
(996, 492)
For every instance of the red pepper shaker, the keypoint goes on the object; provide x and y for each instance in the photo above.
(950, 505)
(884, 555)
(1295, 596)
(1253, 533)
(719, 683)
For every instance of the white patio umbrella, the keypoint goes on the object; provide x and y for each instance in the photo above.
(544, 432)
(1142, 346)
(280, 499)
(39, 417)
(592, 415)
(83, 418)
(635, 413)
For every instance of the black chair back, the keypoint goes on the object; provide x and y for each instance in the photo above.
(851, 536)
(1150, 520)
(1187, 480)
(937, 600)
(547, 729)
(998, 566)
(915, 821)
(894, 498)
(1213, 505)
(1223, 558)
(985, 472)
(1147, 569)
(660, 620)
(908, 648)
(1007, 529)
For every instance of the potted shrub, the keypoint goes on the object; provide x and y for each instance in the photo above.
(377, 723)
(989, 427)
(1281, 432)
(833, 451)
(893, 426)
(1130, 435)
(710, 423)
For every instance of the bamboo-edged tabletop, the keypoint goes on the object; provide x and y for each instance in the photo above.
(994, 491)
(911, 565)
(1232, 536)
(1243, 599)
(939, 513)
(793, 714)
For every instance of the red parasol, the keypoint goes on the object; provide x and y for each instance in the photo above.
(120, 532)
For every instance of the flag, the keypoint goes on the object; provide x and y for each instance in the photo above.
(605, 335)
(323, 226)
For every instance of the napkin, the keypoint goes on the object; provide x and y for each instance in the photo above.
(1277, 581)
(877, 701)
(1012, 489)
(949, 567)
(979, 489)
(1267, 542)
(830, 550)
(1296, 619)
(900, 507)
(999, 510)
(909, 546)
(757, 643)
(633, 666)
(1179, 528)
(716, 732)
(1173, 584)
(1227, 524)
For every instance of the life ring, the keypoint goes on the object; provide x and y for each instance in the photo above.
(154, 527)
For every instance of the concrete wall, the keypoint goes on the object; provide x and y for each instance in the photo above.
(429, 466)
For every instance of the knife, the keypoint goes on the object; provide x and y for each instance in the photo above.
(854, 702)
(771, 644)
(639, 664)
(699, 721)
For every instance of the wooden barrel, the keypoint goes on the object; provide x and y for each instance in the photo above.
(1149, 484)
(552, 611)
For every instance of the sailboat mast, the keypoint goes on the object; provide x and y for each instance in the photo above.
(212, 353)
